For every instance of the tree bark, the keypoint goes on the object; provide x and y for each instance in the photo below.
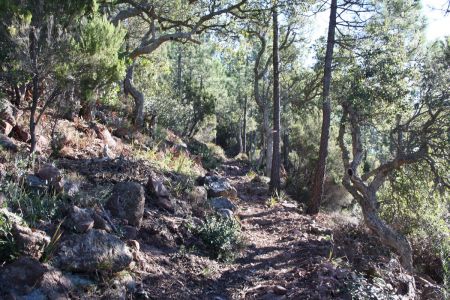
(286, 150)
(319, 176)
(138, 96)
(244, 128)
(275, 172)
(35, 95)
(365, 193)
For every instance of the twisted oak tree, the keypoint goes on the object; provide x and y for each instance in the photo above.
(422, 137)
(163, 24)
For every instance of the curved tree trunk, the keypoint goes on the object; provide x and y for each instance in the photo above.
(138, 96)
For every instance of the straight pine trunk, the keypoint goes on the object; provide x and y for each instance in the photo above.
(319, 176)
(275, 172)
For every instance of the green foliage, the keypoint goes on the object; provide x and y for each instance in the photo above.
(8, 248)
(211, 155)
(222, 237)
(33, 206)
(415, 205)
(95, 57)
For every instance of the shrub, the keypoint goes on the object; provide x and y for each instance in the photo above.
(222, 237)
(211, 154)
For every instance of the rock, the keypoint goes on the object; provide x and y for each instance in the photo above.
(198, 195)
(7, 143)
(20, 134)
(127, 202)
(71, 189)
(165, 203)
(279, 290)
(35, 183)
(55, 284)
(52, 176)
(79, 219)
(220, 188)
(129, 232)
(9, 113)
(104, 134)
(133, 244)
(157, 188)
(122, 132)
(100, 222)
(49, 173)
(21, 276)
(226, 213)
(222, 203)
(29, 242)
(5, 127)
(93, 251)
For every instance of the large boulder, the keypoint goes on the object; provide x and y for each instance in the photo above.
(93, 251)
(20, 277)
(219, 187)
(127, 202)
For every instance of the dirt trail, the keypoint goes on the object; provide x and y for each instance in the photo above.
(285, 249)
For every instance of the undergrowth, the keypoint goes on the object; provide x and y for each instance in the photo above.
(221, 236)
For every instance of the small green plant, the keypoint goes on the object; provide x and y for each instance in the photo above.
(222, 237)
(8, 248)
(251, 174)
(49, 249)
(276, 198)
(32, 206)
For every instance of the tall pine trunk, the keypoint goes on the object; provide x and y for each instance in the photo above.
(275, 172)
(319, 176)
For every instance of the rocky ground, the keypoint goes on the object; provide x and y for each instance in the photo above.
(123, 229)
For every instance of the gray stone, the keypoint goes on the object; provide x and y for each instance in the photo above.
(220, 188)
(93, 251)
(127, 202)
(9, 113)
(35, 183)
(79, 219)
(222, 203)
(225, 213)
(21, 276)
(157, 187)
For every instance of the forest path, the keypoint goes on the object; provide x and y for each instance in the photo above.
(286, 252)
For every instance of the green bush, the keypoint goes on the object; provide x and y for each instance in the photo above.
(222, 237)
